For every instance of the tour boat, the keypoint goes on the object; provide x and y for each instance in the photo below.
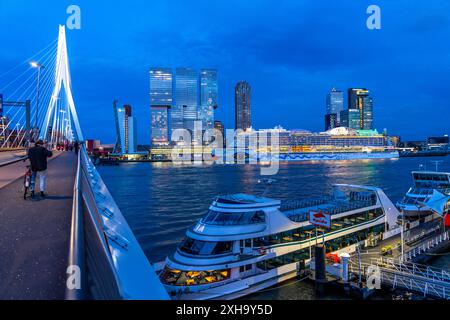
(247, 243)
(429, 186)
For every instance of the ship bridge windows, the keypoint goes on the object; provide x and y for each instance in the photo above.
(206, 248)
(233, 218)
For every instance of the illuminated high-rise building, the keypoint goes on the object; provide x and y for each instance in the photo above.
(243, 111)
(359, 99)
(335, 104)
(127, 129)
(209, 94)
(331, 121)
(351, 119)
(185, 111)
(161, 102)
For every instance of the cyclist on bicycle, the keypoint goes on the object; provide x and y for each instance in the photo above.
(38, 159)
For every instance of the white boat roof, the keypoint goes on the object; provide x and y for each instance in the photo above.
(245, 199)
(432, 172)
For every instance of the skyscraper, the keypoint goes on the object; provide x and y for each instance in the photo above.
(185, 112)
(331, 121)
(161, 101)
(351, 119)
(335, 104)
(208, 97)
(359, 99)
(243, 112)
(127, 129)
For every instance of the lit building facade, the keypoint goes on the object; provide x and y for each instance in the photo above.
(351, 118)
(331, 121)
(209, 95)
(160, 125)
(127, 130)
(243, 110)
(335, 104)
(185, 112)
(359, 99)
(161, 102)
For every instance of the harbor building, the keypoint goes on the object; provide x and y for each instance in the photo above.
(243, 110)
(161, 102)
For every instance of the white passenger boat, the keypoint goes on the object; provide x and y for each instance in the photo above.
(247, 243)
(428, 187)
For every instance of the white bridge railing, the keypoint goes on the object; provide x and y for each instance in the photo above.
(111, 262)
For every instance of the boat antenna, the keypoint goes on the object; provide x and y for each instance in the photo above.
(268, 183)
(437, 163)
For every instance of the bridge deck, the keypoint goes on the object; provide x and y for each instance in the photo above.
(34, 235)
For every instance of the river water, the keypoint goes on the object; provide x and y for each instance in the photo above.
(160, 201)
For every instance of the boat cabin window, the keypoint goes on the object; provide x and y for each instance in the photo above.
(233, 218)
(205, 248)
(193, 278)
(308, 232)
(428, 180)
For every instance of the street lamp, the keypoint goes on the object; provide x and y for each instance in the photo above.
(37, 66)
(17, 134)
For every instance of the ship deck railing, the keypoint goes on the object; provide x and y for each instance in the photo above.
(333, 207)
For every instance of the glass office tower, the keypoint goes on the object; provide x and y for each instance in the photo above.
(335, 104)
(243, 111)
(185, 112)
(161, 101)
(351, 119)
(359, 99)
(208, 97)
(127, 130)
(331, 121)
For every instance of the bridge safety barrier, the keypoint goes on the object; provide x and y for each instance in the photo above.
(104, 253)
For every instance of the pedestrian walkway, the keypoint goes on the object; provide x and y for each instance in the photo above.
(34, 234)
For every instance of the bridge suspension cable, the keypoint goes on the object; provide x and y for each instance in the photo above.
(42, 93)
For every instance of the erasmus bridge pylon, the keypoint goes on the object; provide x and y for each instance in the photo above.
(61, 119)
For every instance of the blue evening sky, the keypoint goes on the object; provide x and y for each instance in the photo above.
(291, 52)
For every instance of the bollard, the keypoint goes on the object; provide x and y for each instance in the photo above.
(320, 266)
(344, 260)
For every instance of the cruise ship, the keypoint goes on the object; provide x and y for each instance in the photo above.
(247, 243)
(428, 187)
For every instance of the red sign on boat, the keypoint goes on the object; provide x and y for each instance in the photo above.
(320, 219)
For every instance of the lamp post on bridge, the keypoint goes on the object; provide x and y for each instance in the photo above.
(38, 67)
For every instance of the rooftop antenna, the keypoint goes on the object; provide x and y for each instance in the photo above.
(437, 163)
(268, 183)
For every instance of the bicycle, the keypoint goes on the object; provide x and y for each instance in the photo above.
(27, 182)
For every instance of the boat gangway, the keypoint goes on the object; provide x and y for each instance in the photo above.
(421, 279)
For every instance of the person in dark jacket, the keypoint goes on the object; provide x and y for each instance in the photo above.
(38, 159)
(76, 147)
